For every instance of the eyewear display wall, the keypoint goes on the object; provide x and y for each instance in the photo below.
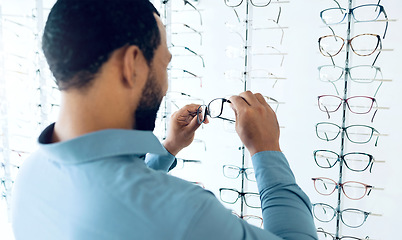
(362, 45)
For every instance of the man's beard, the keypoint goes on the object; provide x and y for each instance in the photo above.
(149, 104)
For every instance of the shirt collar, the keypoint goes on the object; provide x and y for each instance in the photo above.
(100, 144)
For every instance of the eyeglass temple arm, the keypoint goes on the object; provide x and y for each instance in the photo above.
(386, 22)
(379, 51)
(202, 59)
(199, 13)
(230, 120)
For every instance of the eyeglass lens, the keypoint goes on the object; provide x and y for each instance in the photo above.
(350, 217)
(354, 161)
(362, 44)
(363, 13)
(231, 196)
(355, 133)
(352, 190)
(255, 3)
(361, 74)
(234, 172)
(356, 104)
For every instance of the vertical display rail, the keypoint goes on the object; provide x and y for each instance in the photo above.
(167, 18)
(344, 106)
(247, 62)
(44, 106)
(6, 179)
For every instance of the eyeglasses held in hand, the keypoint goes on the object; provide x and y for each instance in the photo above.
(352, 190)
(356, 104)
(215, 109)
(362, 45)
(354, 161)
(351, 217)
(233, 172)
(362, 13)
(230, 195)
(359, 134)
(323, 235)
(219, 108)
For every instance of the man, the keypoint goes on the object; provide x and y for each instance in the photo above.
(90, 178)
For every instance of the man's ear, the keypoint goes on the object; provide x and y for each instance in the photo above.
(135, 67)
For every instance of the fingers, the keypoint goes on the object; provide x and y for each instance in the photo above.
(194, 125)
(250, 98)
(263, 101)
(237, 103)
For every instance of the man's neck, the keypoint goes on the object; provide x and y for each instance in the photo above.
(81, 115)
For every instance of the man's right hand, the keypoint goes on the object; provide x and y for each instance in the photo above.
(256, 122)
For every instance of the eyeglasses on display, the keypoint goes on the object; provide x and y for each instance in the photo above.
(180, 99)
(362, 45)
(323, 235)
(183, 51)
(356, 104)
(251, 219)
(359, 74)
(362, 13)
(181, 162)
(352, 190)
(230, 195)
(351, 217)
(255, 3)
(354, 161)
(233, 172)
(183, 28)
(186, 2)
(359, 134)
(252, 74)
(239, 52)
(179, 73)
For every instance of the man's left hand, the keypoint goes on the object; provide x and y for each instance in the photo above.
(183, 125)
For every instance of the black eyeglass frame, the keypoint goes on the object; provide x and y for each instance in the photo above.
(342, 158)
(201, 118)
(240, 195)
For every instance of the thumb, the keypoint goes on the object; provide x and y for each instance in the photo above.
(194, 125)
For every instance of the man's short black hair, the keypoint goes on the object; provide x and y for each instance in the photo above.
(80, 36)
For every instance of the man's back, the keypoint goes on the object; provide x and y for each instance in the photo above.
(98, 186)
(96, 196)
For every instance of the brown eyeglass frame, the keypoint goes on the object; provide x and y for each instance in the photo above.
(379, 43)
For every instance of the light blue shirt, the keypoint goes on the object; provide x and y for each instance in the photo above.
(98, 186)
